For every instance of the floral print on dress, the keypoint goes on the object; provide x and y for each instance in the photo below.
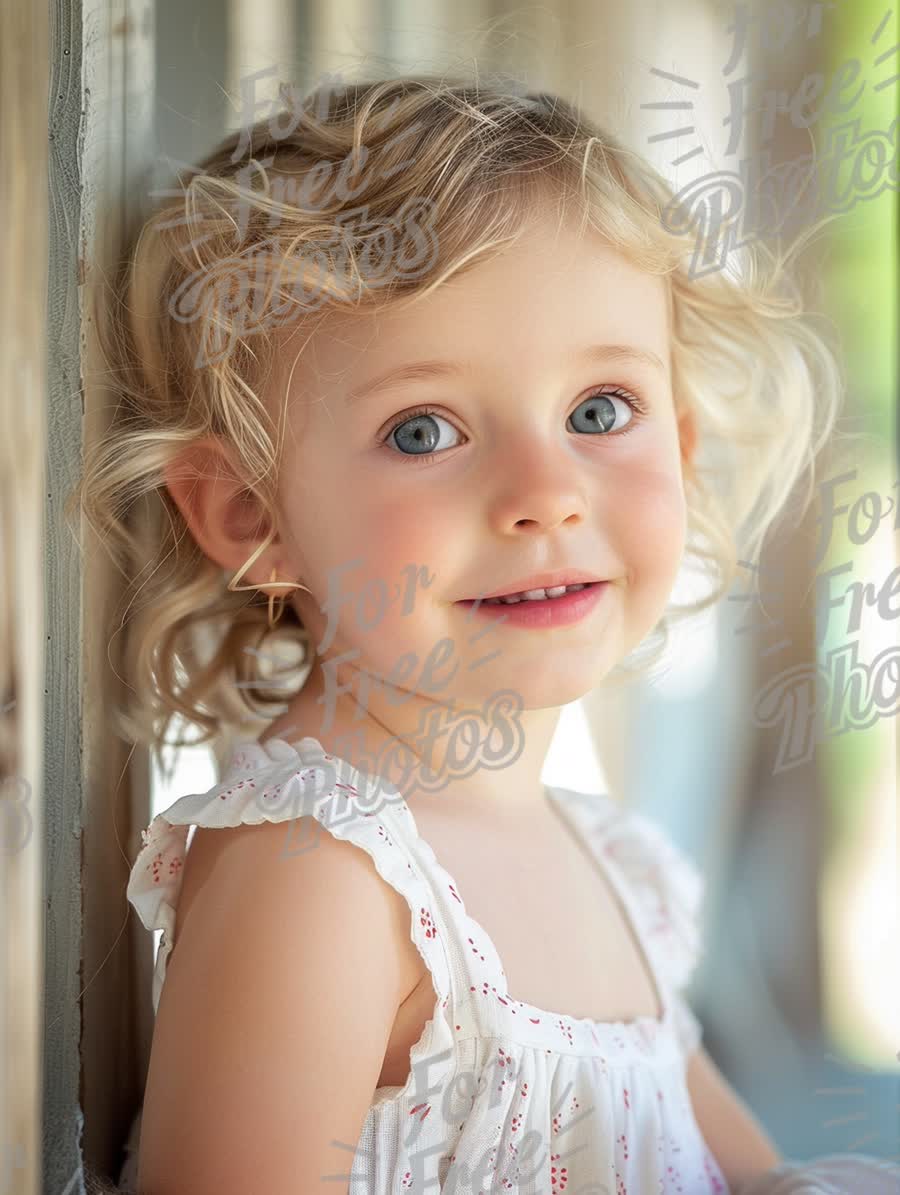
(500, 1093)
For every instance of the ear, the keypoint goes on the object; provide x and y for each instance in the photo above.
(687, 437)
(225, 517)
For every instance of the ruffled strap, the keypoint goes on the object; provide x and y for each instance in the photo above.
(314, 791)
(667, 890)
(668, 887)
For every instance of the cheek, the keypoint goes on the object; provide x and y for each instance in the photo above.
(651, 514)
(402, 570)
(410, 547)
(360, 515)
(406, 532)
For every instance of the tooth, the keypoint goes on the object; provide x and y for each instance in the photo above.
(535, 595)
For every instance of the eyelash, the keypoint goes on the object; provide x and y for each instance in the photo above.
(638, 407)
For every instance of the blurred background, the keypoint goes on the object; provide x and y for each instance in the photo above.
(789, 808)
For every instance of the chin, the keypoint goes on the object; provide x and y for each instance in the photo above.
(566, 686)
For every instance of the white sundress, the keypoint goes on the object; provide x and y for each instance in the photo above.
(502, 1096)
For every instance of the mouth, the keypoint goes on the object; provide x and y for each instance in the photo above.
(547, 594)
(542, 611)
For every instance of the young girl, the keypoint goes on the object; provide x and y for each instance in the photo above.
(382, 360)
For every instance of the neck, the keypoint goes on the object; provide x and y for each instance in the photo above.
(436, 751)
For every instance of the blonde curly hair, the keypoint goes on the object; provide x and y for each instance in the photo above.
(187, 352)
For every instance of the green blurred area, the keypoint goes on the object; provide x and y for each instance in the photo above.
(859, 294)
(861, 281)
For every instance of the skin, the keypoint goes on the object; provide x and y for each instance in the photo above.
(515, 488)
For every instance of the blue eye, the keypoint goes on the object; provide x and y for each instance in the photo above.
(419, 432)
(600, 410)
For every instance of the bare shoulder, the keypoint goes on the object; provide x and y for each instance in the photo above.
(282, 992)
(222, 864)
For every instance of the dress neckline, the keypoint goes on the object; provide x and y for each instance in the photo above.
(638, 1026)
(619, 890)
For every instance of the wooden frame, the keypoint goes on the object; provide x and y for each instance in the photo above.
(23, 233)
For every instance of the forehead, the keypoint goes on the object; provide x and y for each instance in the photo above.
(523, 308)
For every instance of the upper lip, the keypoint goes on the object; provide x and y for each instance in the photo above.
(566, 576)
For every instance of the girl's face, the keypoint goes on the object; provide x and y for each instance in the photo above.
(391, 522)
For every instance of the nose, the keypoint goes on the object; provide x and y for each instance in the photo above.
(546, 523)
(537, 489)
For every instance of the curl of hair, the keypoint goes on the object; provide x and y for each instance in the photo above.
(287, 221)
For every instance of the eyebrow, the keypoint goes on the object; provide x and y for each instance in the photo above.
(420, 371)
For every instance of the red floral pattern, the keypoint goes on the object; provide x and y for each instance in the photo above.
(601, 1099)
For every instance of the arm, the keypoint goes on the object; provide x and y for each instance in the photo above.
(273, 1022)
(737, 1141)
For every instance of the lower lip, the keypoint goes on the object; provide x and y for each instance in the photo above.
(549, 612)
